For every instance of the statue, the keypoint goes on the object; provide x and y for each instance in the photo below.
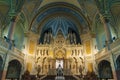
(59, 71)
(80, 70)
(38, 70)
(26, 75)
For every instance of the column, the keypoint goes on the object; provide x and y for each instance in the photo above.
(42, 67)
(11, 28)
(113, 66)
(76, 67)
(107, 26)
(11, 31)
(38, 52)
(5, 67)
(66, 64)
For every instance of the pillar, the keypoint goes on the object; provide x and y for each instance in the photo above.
(11, 31)
(5, 67)
(113, 66)
(66, 64)
(76, 67)
(42, 67)
(107, 26)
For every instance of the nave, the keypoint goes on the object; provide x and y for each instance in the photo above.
(82, 36)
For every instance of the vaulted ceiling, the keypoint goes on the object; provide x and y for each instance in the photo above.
(35, 14)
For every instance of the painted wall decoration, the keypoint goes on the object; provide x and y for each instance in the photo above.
(29, 66)
(88, 47)
(90, 67)
(31, 47)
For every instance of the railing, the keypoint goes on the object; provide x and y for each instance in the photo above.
(65, 72)
(115, 43)
(13, 50)
(43, 77)
(101, 53)
(3, 43)
(52, 72)
(105, 51)
(18, 52)
(76, 77)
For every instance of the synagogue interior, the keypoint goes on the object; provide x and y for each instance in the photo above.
(59, 39)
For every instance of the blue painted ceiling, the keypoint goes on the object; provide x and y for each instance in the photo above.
(59, 23)
(59, 8)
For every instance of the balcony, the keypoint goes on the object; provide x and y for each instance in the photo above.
(101, 53)
(115, 44)
(4, 46)
(3, 43)
(65, 71)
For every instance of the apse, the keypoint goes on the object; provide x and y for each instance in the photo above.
(60, 23)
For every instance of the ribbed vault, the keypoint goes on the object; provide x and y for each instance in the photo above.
(61, 9)
(59, 23)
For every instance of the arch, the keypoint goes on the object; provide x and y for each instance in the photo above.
(61, 8)
(116, 17)
(118, 62)
(14, 70)
(1, 62)
(24, 20)
(104, 70)
(60, 22)
(114, 2)
(3, 23)
(118, 67)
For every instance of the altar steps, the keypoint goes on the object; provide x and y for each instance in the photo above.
(52, 77)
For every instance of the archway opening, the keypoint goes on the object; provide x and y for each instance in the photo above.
(59, 62)
(14, 69)
(1, 62)
(118, 67)
(104, 69)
